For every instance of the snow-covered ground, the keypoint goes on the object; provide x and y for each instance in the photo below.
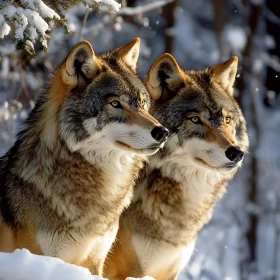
(22, 265)
(222, 250)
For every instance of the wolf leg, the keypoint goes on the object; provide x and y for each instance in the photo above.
(95, 266)
(100, 248)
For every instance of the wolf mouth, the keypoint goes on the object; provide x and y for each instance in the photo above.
(152, 147)
(204, 163)
(155, 147)
(224, 166)
(229, 165)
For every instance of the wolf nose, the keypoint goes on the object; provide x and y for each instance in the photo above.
(160, 133)
(234, 154)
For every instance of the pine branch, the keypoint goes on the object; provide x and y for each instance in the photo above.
(31, 20)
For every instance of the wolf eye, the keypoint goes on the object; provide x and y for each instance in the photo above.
(116, 104)
(196, 120)
(228, 119)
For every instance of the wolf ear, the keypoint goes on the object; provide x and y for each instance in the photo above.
(165, 72)
(224, 73)
(80, 65)
(129, 53)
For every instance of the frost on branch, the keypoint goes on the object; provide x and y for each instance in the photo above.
(31, 19)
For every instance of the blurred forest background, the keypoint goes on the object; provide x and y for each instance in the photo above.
(242, 241)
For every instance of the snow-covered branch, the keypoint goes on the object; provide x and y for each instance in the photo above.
(126, 11)
(31, 19)
(149, 6)
(271, 61)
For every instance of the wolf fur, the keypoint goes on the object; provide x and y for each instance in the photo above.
(68, 177)
(179, 186)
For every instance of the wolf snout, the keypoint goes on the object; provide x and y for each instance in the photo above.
(160, 133)
(234, 154)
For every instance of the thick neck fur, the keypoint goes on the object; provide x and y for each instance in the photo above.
(176, 196)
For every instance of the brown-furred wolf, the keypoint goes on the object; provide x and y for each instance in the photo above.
(66, 180)
(180, 184)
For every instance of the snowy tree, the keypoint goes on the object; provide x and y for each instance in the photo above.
(31, 20)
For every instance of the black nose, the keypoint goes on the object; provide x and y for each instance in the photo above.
(160, 133)
(234, 154)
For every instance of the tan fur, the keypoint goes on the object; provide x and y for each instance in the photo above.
(124, 261)
(176, 77)
(221, 136)
(224, 73)
(22, 238)
(7, 238)
(130, 53)
(91, 65)
(142, 118)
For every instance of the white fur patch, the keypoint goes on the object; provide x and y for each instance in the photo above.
(100, 149)
(209, 152)
(155, 256)
(184, 158)
(183, 168)
(64, 247)
(71, 247)
(134, 136)
(101, 146)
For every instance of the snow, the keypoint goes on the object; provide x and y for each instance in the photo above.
(138, 10)
(236, 37)
(21, 24)
(113, 4)
(9, 11)
(36, 20)
(5, 29)
(40, 6)
(23, 18)
(33, 33)
(143, 278)
(22, 265)
(33, 19)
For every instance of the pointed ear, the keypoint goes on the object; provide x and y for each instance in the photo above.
(130, 53)
(165, 72)
(80, 65)
(224, 73)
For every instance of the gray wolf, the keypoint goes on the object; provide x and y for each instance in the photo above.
(70, 174)
(180, 184)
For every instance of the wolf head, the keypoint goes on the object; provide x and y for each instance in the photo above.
(206, 124)
(103, 105)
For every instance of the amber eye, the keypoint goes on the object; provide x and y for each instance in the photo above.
(195, 120)
(228, 119)
(116, 104)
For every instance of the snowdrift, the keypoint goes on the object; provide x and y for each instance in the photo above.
(22, 265)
